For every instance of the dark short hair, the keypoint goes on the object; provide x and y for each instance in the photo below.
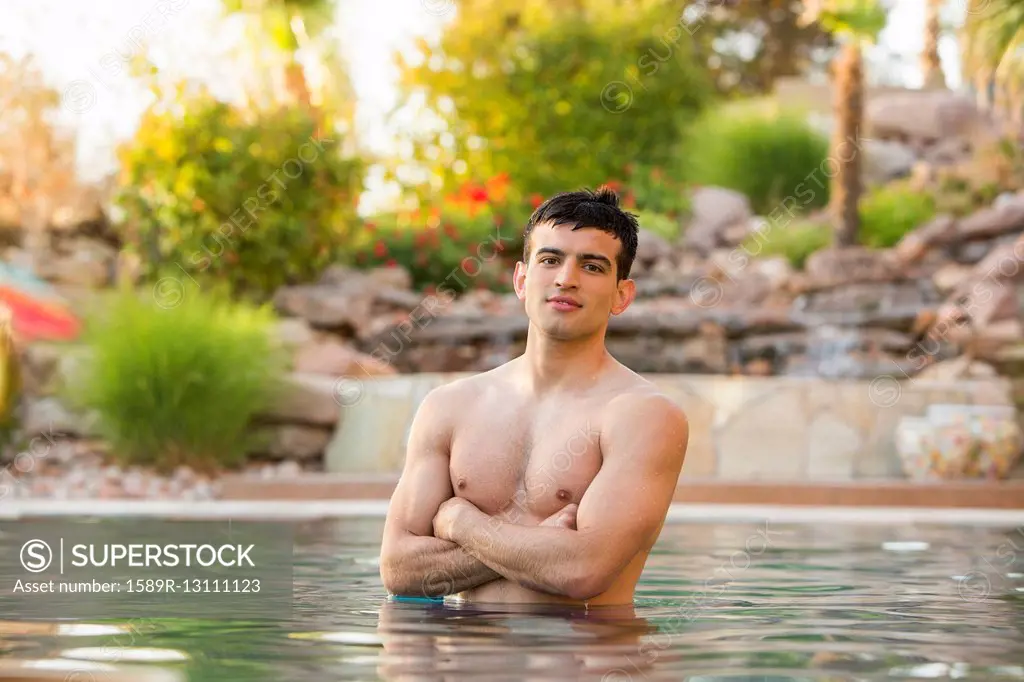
(589, 209)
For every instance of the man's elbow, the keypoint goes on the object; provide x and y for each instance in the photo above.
(391, 577)
(589, 582)
(405, 581)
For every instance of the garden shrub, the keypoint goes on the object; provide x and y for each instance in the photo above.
(256, 199)
(451, 251)
(794, 242)
(767, 157)
(660, 224)
(181, 383)
(889, 212)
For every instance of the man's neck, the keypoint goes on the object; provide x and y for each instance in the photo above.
(553, 364)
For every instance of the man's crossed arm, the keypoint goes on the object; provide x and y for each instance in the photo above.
(620, 514)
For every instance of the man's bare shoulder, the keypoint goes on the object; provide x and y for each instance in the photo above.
(638, 401)
(467, 391)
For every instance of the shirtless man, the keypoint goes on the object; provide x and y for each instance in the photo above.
(548, 479)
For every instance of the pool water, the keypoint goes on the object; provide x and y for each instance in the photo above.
(716, 602)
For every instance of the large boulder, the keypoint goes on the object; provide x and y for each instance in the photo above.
(886, 160)
(336, 359)
(834, 267)
(716, 212)
(930, 115)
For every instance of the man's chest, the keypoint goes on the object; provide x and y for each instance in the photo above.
(525, 470)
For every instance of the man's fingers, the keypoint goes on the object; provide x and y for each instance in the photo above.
(564, 517)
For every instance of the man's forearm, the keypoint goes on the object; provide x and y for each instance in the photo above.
(540, 558)
(430, 567)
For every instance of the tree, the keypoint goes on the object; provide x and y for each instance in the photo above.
(993, 54)
(931, 64)
(556, 94)
(291, 25)
(746, 46)
(853, 22)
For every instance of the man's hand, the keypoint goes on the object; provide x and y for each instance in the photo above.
(449, 515)
(453, 513)
(563, 518)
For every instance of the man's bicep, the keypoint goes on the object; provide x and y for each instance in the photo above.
(628, 499)
(425, 481)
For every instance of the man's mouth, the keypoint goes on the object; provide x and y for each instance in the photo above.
(564, 302)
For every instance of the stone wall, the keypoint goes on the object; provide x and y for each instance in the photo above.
(741, 428)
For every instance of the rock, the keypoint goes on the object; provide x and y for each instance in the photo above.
(956, 368)
(294, 332)
(929, 115)
(39, 363)
(950, 276)
(1005, 216)
(885, 161)
(948, 151)
(990, 340)
(294, 442)
(308, 399)
(652, 248)
(393, 278)
(713, 211)
(971, 253)
(289, 468)
(989, 294)
(759, 367)
(888, 305)
(90, 264)
(708, 352)
(937, 232)
(336, 359)
(326, 307)
(776, 270)
(833, 267)
(49, 418)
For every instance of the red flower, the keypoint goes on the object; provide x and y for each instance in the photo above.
(391, 263)
(613, 185)
(371, 227)
(380, 249)
(536, 200)
(478, 194)
(450, 230)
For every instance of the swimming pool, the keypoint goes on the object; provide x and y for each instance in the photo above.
(718, 601)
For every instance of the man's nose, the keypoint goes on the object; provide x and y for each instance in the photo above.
(567, 275)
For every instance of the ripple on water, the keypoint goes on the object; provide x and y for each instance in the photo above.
(716, 602)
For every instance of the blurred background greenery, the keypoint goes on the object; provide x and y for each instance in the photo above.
(264, 184)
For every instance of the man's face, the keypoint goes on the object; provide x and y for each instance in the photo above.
(569, 285)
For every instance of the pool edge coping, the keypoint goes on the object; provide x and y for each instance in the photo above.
(13, 510)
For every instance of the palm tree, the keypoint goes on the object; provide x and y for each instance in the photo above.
(291, 25)
(853, 23)
(931, 64)
(993, 54)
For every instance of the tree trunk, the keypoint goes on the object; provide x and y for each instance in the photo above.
(931, 65)
(845, 154)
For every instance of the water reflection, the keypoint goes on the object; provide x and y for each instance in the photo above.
(460, 641)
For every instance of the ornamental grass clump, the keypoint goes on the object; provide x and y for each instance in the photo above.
(178, 385)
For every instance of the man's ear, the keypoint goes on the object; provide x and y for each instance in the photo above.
(626, 294)
(519, 279)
